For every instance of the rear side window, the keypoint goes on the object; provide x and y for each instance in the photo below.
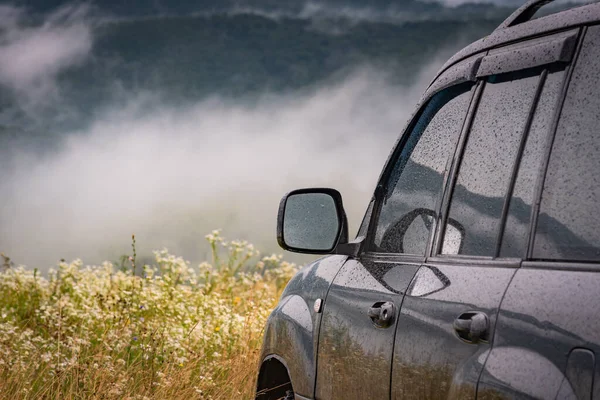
(568, 226)
(516, 233)
(408, 205)
(489, 158)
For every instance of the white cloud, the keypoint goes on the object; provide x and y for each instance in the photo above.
(32, 57)
(171, 175)
(333, 15)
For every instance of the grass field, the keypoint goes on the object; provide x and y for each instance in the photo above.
(162, 331)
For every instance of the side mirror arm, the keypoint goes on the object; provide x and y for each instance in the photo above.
(352, 248)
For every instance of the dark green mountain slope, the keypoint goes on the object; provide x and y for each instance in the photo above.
(185, 58)
(192, 56)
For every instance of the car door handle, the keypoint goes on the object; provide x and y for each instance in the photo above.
(472, 327)
(382, 314)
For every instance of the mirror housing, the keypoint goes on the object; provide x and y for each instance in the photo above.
(312, 221)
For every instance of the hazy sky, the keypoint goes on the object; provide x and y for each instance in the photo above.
(32, 57)
(170, 174)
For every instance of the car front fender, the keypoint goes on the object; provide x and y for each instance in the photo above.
(292, 330)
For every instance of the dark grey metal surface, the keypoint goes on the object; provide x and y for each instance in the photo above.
(546, 314)
(560, 48)
(431, 361)
(355, 352)
(292, 330)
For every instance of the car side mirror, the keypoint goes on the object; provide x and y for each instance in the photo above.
(312, 221)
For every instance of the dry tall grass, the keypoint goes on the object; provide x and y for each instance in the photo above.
(169, 332)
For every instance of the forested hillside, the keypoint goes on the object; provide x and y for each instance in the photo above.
(196, 49)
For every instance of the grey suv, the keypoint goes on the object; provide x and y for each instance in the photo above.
(476, 270)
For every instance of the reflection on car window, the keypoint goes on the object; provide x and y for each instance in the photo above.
(428, 280)
(417, 179)
(516, 232)
(569, 218)
(488, 160)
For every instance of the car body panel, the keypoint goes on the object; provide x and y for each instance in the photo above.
(292, 329)
(355, 355)
(430, 359)
(545, 316)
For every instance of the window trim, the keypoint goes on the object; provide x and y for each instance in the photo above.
(448, 188)
(517, 163)
(476, 261)
(566, 265)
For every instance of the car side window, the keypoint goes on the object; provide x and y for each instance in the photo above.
(411, 193)
(488, 160)
(515, 238)
(568, 225)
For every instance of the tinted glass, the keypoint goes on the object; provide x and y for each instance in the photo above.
(516, 232)
(569, 219)
(417, 179)
(489, 158)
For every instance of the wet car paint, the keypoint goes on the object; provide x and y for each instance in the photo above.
(292, 330)
(431, 360)
(546, 316)
(351, 345)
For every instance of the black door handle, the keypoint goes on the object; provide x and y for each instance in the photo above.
(472, 327)
(382, 314)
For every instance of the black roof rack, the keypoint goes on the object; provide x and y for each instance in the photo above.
(524, 13)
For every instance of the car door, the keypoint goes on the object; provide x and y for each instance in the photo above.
(446, 324)
(548, 331)
(360, 312)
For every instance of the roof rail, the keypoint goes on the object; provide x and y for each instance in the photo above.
(524, 13)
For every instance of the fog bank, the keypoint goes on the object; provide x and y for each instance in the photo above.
(172, 173)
